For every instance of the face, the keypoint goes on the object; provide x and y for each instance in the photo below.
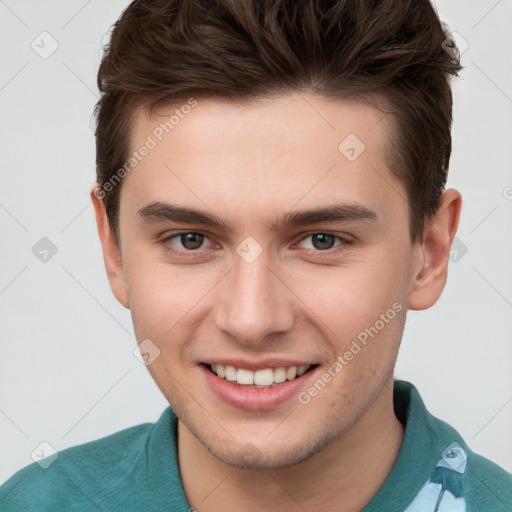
(269, 263)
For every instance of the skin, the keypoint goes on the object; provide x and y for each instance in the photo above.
(249, 163)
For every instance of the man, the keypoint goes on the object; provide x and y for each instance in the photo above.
(270, 202)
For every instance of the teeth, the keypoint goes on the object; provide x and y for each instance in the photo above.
(279, 375)
(291, 373)
(229, 373)
(301, 369)
(264, 377)
(260, 378)
(245, 377)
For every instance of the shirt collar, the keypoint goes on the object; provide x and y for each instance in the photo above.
(425, 439)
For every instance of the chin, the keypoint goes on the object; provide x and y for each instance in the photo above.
(251, 456)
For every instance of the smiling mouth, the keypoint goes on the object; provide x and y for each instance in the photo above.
(259, 379)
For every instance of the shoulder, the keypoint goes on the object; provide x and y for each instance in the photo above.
(447, 459)
(489, 485)
(79, 476)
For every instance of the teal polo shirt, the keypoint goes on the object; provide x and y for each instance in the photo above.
(136, 469)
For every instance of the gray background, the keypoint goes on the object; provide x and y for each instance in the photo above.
(68, 373)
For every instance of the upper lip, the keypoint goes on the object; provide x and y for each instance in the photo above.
(258, 365)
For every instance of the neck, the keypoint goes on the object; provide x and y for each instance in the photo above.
(344, 476)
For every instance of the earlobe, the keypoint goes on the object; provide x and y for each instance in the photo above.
(432, 256)
(111, 252)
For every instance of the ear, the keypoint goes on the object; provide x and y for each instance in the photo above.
(432, 255)
(111, 252)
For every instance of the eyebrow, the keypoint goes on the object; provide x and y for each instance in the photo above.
(159, 211)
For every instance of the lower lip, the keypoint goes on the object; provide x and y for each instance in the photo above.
(256, 399)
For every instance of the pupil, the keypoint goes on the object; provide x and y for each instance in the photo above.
(325, 241)
(192, 240)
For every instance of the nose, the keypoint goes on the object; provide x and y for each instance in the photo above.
(255, 302)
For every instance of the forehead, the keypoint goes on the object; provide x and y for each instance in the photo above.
(251, 122)
(263, 155)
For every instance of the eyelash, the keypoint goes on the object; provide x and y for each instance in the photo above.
(193, 253)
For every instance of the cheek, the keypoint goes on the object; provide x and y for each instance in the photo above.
(168, 303)
(352, 296)
(157, 296)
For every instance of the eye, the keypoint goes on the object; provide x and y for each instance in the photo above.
(183, 242)
(324, 242)
(190, 243)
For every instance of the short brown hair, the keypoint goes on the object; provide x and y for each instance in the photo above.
(163, 51)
